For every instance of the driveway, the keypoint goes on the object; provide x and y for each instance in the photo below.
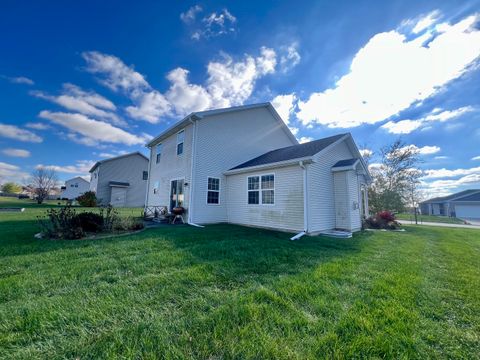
(473, 226)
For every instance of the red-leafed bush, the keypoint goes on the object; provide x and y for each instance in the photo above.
(386, 215)
(382, 220)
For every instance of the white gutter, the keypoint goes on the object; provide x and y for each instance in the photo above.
(305, 203)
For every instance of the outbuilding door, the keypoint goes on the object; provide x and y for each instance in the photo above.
(118, 197)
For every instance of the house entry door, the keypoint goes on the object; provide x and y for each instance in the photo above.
(176, 193)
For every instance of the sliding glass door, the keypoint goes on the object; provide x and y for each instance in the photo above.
(176, 193)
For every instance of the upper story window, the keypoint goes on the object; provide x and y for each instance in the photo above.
(145, 175)
(213, 191)
(159, 153)
(180, 140)
(261, 189)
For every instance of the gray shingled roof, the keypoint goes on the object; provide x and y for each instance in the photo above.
(291, 152)
(452, 196)
(342, 163)
(472, 197)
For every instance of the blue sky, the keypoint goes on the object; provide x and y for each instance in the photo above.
(81, 81)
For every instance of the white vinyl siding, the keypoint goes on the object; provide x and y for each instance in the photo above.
(170, 167)
(285, 214)
(74, 188)
(227, 140)
(321, 199)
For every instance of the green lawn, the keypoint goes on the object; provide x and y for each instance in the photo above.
(430, 218)
(232, 292)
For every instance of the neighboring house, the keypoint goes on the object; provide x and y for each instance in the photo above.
(242, 165)
(465, 204)
(120, 181)
(74, 188)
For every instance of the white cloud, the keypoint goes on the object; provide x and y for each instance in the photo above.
(93, 130)
(447, 173)
(392, 72)
(229, 83)
(426, 22)
(284, 104)
(16, 152)
(88, 103)
(476, 158)
(289, 58)
(441, 157)
(14, 132)
(216, 24)
(9, 172)
(305, 139)
(81, 167)
(407, 126)
(366, 152)
(189, 15)
(425, 150)
(37, 126)
(18, 79)
(402, 127)
(112, 154)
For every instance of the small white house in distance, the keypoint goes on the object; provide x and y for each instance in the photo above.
(242, 165)
(74, 188)
(120, 181)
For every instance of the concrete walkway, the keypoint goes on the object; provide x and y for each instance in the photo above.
(403, 222)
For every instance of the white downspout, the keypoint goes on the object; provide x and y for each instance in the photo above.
(148, 178)
(305, 204)
(190, 196)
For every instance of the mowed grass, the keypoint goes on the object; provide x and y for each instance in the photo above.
(227, 291)
(429, 218)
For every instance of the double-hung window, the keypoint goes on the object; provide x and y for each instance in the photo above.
(145, 175)
(180, 140)
(261, 189)
(159, 153)
(213, 191)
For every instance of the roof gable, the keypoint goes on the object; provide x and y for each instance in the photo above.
(98, 163)
(291, 152)
(202, 114)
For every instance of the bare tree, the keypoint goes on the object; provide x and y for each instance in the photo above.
(395, 178)
(43, 181)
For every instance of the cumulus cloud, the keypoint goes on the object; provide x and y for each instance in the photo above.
(407, 126)
(366, 152)
(476, 158)
(91, 129)
(284, 104)
(85, 102)
(37, 126)
(425, 150)
(81, 167)
(18, 79)
(229, 83)
(16, 152)
(305, 139)
(9, 172)
(190, 15)
(289, 58)
(14, 132)
(392, 72)
(447, 173)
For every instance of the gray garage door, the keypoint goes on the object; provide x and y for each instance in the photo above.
(468, 211)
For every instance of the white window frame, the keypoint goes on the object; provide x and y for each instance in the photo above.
(180, 142)
(217, 191)
(157, 159)
(260, 198)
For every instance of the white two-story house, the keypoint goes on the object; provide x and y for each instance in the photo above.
(242, 165)
(74, 188)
